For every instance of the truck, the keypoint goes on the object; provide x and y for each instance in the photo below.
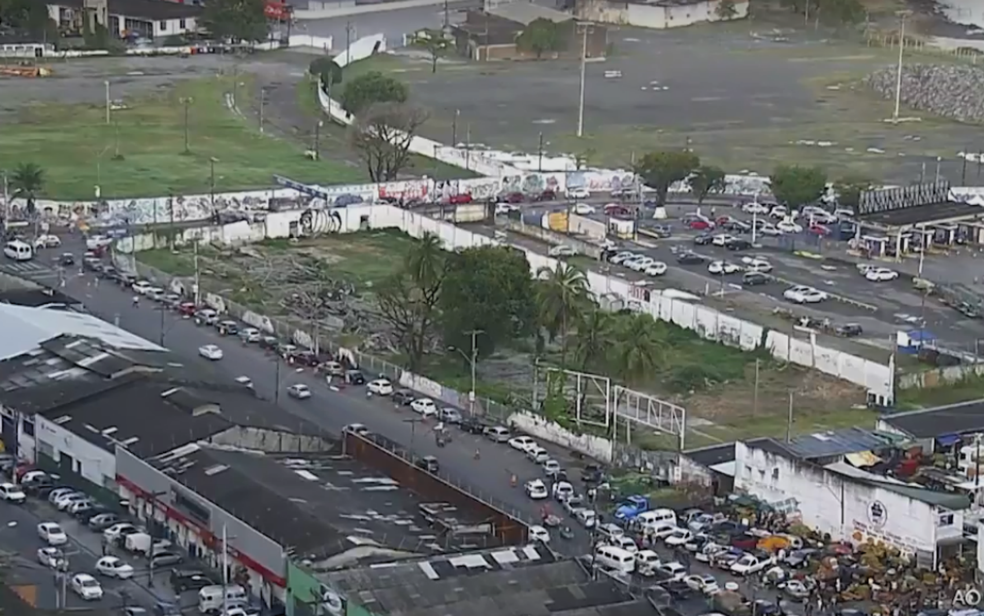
(140, 543)
(632, 506)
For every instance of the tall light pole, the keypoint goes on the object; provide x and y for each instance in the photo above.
(472, 360)
(186, 101)
(108, 103)
(211, 182)
(584, 67)
(898, 76)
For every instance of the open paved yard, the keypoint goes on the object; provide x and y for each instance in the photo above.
(740, 98)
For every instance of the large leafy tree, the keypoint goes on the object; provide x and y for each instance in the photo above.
(705, 180)
(409, 299)
(435, 42)
(370, 89)
(26, 182)
(326, 70)
(796, 186)
(660, 170)
(382, 136)
(541, 36)
(487, 289)
(562, 298)
(28, 17)
(236, 20)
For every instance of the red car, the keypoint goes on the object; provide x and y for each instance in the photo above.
(617, 210)
(701, 225)
(817, 229)
(724, 220)
(462, 199)
(547, 195)
(187, 308)
(514, 197)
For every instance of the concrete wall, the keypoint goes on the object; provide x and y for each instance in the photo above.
(434, 487)
(91, 462)
(536, 425)
(656, 17)
(588, 227)
(550, 237)
(845, 508)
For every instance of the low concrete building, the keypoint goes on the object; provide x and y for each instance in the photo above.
(126, 18)
(660, 14)
(491, 34)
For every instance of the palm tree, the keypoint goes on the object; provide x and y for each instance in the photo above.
(562, 297)
(425, 261)
(594, 337)
(641, 348)
(27, 181)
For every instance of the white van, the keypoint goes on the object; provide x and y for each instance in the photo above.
(210, 599)
(646, 562)
(18, 251)
(656, 517)
(615, 558)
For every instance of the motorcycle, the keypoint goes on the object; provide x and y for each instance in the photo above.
(566, 533)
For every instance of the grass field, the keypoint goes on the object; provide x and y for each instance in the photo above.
(142, 151)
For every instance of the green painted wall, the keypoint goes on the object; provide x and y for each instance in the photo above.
(305, 592)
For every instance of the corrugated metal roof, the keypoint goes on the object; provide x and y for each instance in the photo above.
(834, 443)
(25, 328)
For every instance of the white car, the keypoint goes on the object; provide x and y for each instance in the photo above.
(539, 534)
(562, 250)
(577, 193)
(722, 240)
(52, 534)
(722, 268)
(705, 584)
(380, 387)
(551, 468)
(11, 493)
(622, 257)
(505, 208)
(51, 557)
(586, 517)
(68, 499)
(537, 454)
(779, 211)
(47, 241)
(522, 443)
(210, 352)
(424, 406)
(536, 490)
(142, 286)
(788, 226)
(754, 264)
(299, 391)
(768, 229)
(584, 209)
(114, 532)
(678, 538)
(111, 566)
(657, 268)
(674, 570)
(804, 295)
(86, 587)
(750, 563)
(880, 274)
(640, 265)
(251, 334)
(844, 212)
(357, 428)
(562, 490)
(755, 208)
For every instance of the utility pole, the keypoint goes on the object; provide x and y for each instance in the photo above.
(262, 106)
(348, 42)
(540, 154)
(447, 16)
(186, 101)
(162, 308)
(584, 67)
(468, 147)
(198, 277)
(454, 128)
(170, 216)
(755, 394)
(276, 378)
(789, 419)
(317, 138)
(898, 77)
(152, 526)
(211, 182)
(413, 421)
(474, 364)
(109, 104)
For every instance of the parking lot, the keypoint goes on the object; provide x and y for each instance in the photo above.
(880, 308)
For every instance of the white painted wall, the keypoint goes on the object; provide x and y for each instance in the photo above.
(171, 27)
(539, 427)
(845, 508)
(91, 462)
(660, 17)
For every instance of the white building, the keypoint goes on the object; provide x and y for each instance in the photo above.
(127, 18)
(660, 14)
(817, 479)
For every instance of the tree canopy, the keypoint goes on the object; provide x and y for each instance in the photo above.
(326, 70)
(705, 180)
(381, 136)
(849, 189)
(828, 12)
(236, 20)
(541, 36)
(435, 42)
(370, 89)
(796, 186)
(28, 17)
(487, 289)
(660, 170)
(27, 182)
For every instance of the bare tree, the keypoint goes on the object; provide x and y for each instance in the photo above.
(382, 137)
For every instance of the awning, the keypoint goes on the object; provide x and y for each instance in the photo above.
(725, 468)
(946, 440)
(862, 459)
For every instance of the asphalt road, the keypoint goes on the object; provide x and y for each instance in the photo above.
(487, 477)
(18, 535)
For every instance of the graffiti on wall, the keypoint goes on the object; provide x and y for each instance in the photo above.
(601, 181)
(406, 190)
(315, 222)
(180, 208)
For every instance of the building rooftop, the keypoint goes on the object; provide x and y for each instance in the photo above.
(526, 13)
(903, 206)
(924, 214)
(514, 581)
(154, 10)
(487, 29)
(39, 297)
(960, 418)
(318, 505)
(824, 444)
(25, 328)
(717, 454)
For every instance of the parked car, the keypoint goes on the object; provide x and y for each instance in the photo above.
(87, 587)
(189, 579)
(403, 397)
(299, 391)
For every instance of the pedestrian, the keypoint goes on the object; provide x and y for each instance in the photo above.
(104, 547)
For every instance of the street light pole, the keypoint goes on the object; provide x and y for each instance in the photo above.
(474, 363)
(108, 103)
(276, 377)
(898, 76)
(211, 182)
(584, 67)
(317, 139)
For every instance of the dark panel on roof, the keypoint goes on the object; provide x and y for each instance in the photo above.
(923, 214)
(963, 418)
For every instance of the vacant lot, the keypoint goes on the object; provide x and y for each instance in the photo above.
(740, 98)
